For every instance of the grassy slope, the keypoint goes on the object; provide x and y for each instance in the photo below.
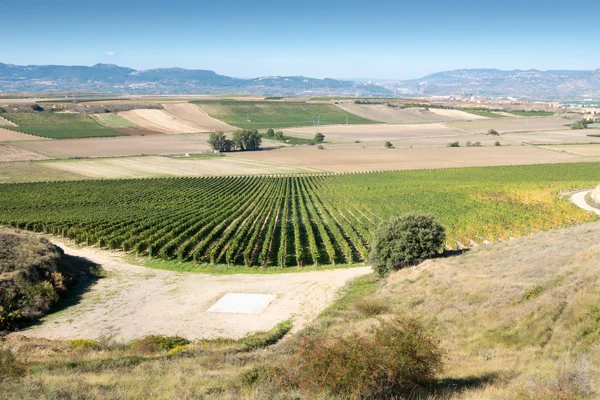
(265, 114)
(58, 126)
(114, 121)
(517, 320)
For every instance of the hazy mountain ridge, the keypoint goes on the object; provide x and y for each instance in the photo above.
(532, 84)
(108, 78)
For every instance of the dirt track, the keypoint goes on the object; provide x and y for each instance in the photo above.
(133, 301)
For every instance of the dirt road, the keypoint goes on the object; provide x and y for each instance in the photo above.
(579, 200)
(133, 301)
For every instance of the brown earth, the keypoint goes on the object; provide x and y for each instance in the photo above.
(392, 115)
(370, 159)
(12, 153)
(192, 113)
(522, 124)
(7, 135)
(120, 146)
(153, 166)
(378, 132)
(131, 302)
(160, 121)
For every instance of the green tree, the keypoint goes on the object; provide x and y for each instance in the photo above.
(279, 135)
(245, 139)
(493, 132)
(253, 140)
(270, 133)
(319, 138)
(388, 145)
(405, 240)
(218, 141)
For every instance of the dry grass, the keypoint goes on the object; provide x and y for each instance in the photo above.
(518, 320)
(13, 153)
(120, 146)
(381, 159)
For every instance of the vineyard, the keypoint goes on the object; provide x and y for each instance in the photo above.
(58, 125)
(268, 114)
(295, 220)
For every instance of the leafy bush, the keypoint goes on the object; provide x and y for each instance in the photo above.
(392, 360)
(497, 143)
(453, 144)
(493, 132)
(319, 138)
(157, 344)
(264, 339)
(10, 367)
(405, 240)
(84, 344)
(388, 145)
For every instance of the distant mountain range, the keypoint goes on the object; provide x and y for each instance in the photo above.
(531, 84)
(113, 79)
(108, 78)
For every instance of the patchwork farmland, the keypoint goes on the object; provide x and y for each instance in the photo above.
(274, 114)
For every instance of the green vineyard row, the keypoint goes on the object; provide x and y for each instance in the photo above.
(295, 220)
(58, 125)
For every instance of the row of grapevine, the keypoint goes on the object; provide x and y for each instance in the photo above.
(285, 221)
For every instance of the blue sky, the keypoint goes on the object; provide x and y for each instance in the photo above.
(340, 39)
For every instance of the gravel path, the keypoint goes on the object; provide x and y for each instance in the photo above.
(579, 200)
(134, 301)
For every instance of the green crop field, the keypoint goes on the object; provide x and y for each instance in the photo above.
(114, 121)
(482, 113)
(269, 114)
(58, 125)
(295, 221)
(532, 113)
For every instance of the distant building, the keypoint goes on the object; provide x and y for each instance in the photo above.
(554, 104)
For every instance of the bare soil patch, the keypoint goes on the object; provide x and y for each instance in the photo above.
(346, 133)
(193, 114)
(120, 146)
(160, 121)
(379, 159)
(457, 114)
(5, 122)
(521, 124)
(9, 136)
(153, 166)
(392, 115)
(590, 150)
(13, 153)
(132, 301)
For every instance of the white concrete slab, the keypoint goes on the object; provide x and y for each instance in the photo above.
(242, 303)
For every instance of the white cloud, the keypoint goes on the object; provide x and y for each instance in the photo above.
(111, 53)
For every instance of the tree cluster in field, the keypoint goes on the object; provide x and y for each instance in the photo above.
(581, 124)
(272, 134)
(363, 101)
(242, 140)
